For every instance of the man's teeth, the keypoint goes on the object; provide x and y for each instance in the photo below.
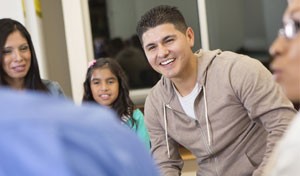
(167, 61)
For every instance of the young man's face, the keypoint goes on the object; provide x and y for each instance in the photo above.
(168, 50)
(286, 52)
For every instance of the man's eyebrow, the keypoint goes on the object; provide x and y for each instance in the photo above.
(149, 45)
(163, 39)
(168, 36)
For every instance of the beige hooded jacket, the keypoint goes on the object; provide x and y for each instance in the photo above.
(241, 113)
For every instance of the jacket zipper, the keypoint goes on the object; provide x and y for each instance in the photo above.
(208, 148)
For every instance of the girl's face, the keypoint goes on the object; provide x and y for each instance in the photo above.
(16, 58)
(104, 86)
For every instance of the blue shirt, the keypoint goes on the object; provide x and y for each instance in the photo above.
(45, 135)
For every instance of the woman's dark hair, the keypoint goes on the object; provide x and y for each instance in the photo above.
(123, 105)
(32, 79)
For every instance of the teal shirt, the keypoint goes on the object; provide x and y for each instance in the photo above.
(139, 127)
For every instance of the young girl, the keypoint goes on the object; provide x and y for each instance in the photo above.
(107, 85)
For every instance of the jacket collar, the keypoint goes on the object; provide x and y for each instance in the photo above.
(205, 58)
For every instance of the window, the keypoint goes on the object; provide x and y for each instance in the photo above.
(113, 25)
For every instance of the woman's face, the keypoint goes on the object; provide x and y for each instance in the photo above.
(16, 58)
(286, 53)
(104, 86)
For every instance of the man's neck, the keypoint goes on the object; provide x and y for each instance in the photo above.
(186, 83)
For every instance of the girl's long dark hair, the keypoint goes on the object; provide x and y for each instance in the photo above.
(32, 79)
(123, 105)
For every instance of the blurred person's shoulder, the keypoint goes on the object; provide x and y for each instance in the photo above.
(40, 132)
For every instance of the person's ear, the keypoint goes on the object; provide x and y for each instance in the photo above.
(190, 36)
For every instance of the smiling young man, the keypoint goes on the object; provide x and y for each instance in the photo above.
(223, 107)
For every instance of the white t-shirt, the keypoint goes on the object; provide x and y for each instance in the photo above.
(187, 102)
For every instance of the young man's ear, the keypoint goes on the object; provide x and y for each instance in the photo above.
(190, 36)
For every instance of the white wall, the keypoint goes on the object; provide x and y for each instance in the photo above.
(12, 9)
(34, 25)
(78, 42)
(55, 44)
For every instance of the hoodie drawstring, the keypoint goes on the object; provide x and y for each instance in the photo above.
(166, 129)
(206, 117)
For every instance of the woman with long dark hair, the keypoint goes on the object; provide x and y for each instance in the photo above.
(19, 66)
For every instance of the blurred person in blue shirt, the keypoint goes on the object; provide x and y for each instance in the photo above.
(50, 136)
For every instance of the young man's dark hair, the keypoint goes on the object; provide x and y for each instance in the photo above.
(161, 15)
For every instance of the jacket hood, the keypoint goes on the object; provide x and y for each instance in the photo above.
(206, 58)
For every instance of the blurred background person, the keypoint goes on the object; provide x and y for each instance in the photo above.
(286, 67)
(135, 64)
(286, 53)
(67, 140)
(19, 66)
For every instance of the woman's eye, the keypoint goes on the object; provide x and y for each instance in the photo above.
(24, 48)
(7, 51)
(95, 82)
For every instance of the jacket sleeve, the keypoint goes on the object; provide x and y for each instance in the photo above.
(264, 100)
(285, 159)
(168, 166)
(141, 129)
